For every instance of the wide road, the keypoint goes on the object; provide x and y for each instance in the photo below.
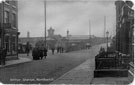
(46, 70)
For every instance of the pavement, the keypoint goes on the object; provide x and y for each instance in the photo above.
(23, 58)
(18, 61)
(83, 74)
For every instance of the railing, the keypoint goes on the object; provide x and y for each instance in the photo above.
(6, 25)
(111, 61)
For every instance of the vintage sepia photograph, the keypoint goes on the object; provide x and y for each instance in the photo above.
(67, 42)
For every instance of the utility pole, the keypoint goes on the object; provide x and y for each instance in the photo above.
(107, 35)
(89, 32)
(104, 26)
(67, 39)
(45, 20)
(28, 35)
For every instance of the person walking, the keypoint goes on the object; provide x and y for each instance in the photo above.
(57, 49)
(35, 53)
(62, 49)
(27, 49)
(3, 53)
(45, 52)
(41, 53)
(53, 49)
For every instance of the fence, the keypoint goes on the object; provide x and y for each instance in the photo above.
(111, 61)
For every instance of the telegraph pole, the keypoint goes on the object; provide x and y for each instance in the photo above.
(89, 29)
(104, 26)
(89, 32)
(45, 20)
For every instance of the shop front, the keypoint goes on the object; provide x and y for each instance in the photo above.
(11, 43)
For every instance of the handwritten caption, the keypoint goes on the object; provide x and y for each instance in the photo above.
(31, 79)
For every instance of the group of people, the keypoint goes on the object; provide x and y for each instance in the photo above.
(39, 53)
(60, 49)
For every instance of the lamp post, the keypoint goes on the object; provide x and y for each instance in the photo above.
(107, 33)
(67, 40)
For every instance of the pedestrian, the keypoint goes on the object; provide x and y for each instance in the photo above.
(41, 53)
(27, 49)
(53, 49)
(3, 56)
(62, 49)
(45, 52)
(58, 49)
(102, 50)
(35, 53)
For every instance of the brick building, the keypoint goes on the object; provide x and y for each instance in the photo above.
(9, 27)
(125, 27)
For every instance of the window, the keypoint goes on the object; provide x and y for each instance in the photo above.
(7, 1)
(7, 43)
(0, 42)
(14, 44)
(0, 18)
(14, 19)
(14, 3)
(6, 17)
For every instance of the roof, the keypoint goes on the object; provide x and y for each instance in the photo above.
(32, 40)
(80, 37)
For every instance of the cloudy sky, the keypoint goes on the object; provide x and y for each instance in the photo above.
(63, 15)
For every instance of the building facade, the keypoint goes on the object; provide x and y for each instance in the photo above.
(9, 27)
(125, 27)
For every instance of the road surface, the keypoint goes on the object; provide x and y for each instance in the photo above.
(46, 70)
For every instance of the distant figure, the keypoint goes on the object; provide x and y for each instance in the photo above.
(62, 49)
(45, 52)
(57, 49)
(3, 54)
(27, 49)
(41, 53)
(102, 50)
(53, 49)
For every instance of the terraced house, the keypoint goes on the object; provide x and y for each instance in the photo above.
(9, 27)
(125, 27)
